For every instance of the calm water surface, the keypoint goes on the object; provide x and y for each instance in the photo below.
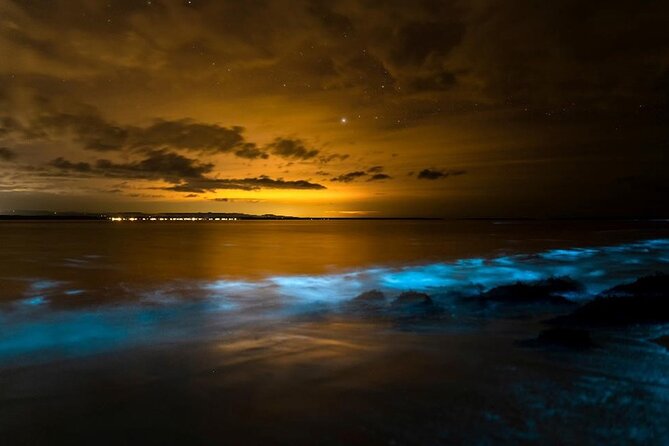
(245, 333)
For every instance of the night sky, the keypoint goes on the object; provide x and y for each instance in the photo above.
(336, 108)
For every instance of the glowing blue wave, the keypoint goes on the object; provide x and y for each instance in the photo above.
(182, 311)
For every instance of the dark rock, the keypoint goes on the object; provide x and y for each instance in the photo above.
(413, 298)
(370, 296)
(544, 291)
(644, 301)
(565, 337)
(370, 301)
(663, 341)
(656, 285)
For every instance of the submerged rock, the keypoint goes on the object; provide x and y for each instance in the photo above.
(663, 341)
(644, 301)
(551, 291)
(655, 285)
(373, 301)
(370, 296)
(408, 306)
(413, 298)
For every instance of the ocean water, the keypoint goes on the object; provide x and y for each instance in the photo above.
(248, 333)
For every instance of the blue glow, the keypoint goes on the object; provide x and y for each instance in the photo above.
(41, 285)
(420, 278)
(569, 255)
(319, 288)
(231, 286)
(167, 312)
(470, 262)
(504, 260)
(596, 273)
(34, 301)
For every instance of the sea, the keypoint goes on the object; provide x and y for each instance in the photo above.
(253, 333)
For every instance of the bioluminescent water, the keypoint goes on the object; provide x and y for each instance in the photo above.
(247, 333)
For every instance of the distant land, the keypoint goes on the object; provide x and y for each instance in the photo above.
(172, 216)
(42, 215)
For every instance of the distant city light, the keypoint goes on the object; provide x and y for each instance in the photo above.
(149, 218)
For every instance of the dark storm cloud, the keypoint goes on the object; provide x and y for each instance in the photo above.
(189, 135)
(96, 133)
(435, 174)
(7, 154)
(159, 164)
(291, 149)
(348, 177)
(379, 177)
(262, 182)
(63, 164)
(87, 128)
(251, 151)
(187, 174)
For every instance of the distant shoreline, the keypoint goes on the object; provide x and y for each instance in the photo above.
(140, 218)
(204, 217)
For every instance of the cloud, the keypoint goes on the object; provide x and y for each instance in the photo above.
(87, 128)
(426, 45)
(375, 169)
(417, 43)
(348, 177)
(9, 125)
(291, 148)
(251, 151)
(169, 166)
(435, 174)
(379, 177)
(159, 164)
(63, 164)
(441, 80)
(190, 135)
(255, 183)
(188, 175)
(598, 92)
(6, 154)
(96, 133)
(332, 157)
